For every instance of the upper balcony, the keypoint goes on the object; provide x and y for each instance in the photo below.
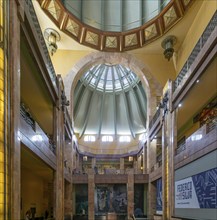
(35, 40)
(199, 59)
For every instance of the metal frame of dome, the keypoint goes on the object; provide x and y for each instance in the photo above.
(115, 110)
(109, 78)
(110, 40)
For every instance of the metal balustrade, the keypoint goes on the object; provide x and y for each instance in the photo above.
(154, 119)
(198, 47)
(26, 115)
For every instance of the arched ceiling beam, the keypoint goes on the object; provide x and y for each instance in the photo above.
(138, 102)
(102, 102)
(90, 103)
(114, 103)
(142, 95)
(81, 93)
(129, 119)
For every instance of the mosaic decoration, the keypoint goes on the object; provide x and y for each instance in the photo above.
(150, 32)
(72, 27)
(131, 40)
(170, 16)
(92, 38)
(54, 10)
(111, 198)
(111, 42)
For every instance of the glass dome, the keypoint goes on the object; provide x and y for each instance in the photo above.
(115, 15)
(109, 78)
(109, 100)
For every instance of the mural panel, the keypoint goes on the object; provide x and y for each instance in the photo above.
(111, 198)
(81, 199)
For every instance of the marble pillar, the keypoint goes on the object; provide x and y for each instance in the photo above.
(14, 71)
(60, 145)
(91, 191)
(130, 195)
(122, 165)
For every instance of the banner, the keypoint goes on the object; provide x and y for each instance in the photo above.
(198, 191)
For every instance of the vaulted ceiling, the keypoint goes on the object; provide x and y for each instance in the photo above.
(109, 99)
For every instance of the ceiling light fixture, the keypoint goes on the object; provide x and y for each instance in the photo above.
(168, 44)
(51, 36)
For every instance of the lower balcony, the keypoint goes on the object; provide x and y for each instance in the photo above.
(201, 142)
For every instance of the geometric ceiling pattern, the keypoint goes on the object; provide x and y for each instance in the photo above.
(114, 41)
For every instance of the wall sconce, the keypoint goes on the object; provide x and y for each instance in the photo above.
(168, 44)
(51, 36)
(130, 159)
(84, 158)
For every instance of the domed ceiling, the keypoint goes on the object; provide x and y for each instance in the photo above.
(115, 25)
(109, 100)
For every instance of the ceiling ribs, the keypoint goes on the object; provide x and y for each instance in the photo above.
(114, 103)
(82, 92)
(102, 103)
(137, 101)
(90, 103)
(126, 101)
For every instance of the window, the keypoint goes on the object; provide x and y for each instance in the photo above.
(89, 138)
(107, 138)
(124, 138)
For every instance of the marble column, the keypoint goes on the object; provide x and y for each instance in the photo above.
(151, 188)
(168, 157)
(145, 160)
(60, 145)
(130, 195)
(173, 145)
(14, 118)
(122, 165)
(91, 191)
(93, 162)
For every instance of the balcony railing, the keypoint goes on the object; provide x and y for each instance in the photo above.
(199, 139)
(198, 47)
(154, 119)
(159, 159)
(26, 115)
(30, 12)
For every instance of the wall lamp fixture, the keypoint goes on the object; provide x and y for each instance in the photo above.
(51, 36)
(168, 44)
